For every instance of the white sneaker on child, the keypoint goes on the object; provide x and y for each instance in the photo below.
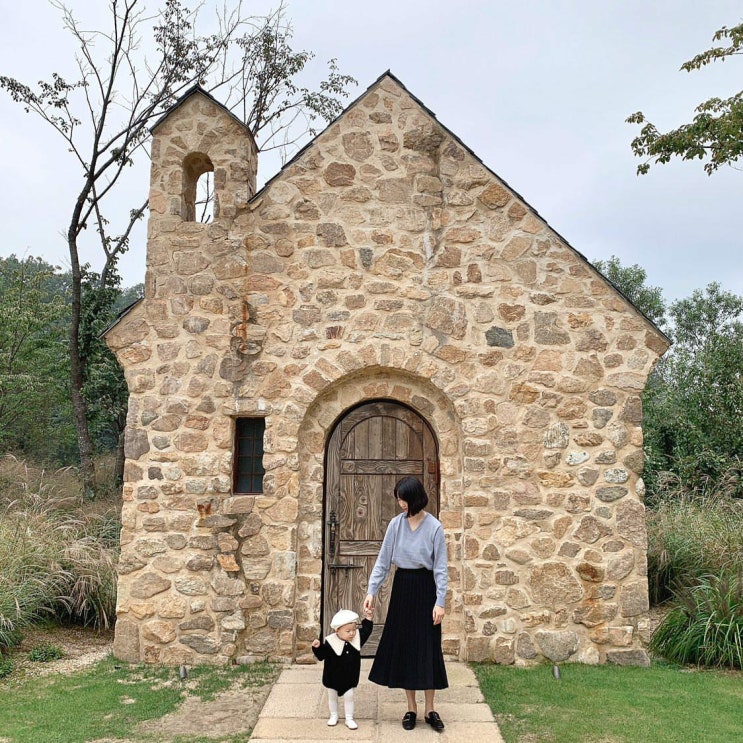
(351, 723)
(332, 720)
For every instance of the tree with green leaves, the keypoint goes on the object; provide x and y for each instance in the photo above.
(104, 385)
(632, 282)
(715, 134)
(127, 76)
(694, 403)
(32, 351)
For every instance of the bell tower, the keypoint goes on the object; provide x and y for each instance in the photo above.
(196, 138)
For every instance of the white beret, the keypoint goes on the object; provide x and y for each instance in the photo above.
(344, 616)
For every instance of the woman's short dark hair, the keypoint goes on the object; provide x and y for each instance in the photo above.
(411, 490)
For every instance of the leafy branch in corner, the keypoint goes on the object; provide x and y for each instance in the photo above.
(715, 134)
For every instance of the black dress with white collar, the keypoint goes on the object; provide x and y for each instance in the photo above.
(342, 659)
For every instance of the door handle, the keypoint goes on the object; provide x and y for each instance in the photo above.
(344, 566)
(333, 536)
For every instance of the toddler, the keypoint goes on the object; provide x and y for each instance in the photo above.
(341, 652)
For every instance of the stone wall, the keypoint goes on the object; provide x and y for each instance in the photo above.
(385, 262)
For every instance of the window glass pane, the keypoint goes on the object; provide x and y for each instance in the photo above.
(248, 476)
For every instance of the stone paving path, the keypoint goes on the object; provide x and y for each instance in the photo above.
(297, 710)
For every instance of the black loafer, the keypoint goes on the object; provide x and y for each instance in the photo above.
(408, 722)
(433, 719)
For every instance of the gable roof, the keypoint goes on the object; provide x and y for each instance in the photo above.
(388, 75)
(120, 315)
(198, 90)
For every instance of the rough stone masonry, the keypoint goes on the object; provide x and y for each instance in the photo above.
(384, 262)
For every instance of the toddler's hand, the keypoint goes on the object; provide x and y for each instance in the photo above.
(316, 644)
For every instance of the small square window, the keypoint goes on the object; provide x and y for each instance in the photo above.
(248, 470)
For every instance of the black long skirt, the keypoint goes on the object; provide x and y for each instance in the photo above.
(409, 655)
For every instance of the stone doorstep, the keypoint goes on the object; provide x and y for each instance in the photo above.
(294, 700)
(302, 675)
(296, 710)
(382, 732)
(459, 695)
(455, 732)
(296, 729)
(366, 702)
(460, 674)
(449, 712)
(368, 706)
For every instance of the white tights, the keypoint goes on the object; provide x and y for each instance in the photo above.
(347, 708)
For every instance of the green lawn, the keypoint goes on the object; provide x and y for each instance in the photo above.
(609, 704)
(108, 700)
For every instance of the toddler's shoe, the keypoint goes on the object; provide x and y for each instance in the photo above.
(332, 720)
(351, 723)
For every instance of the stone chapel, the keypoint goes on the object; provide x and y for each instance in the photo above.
(385, 306)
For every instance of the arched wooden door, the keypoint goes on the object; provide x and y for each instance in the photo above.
(369, 450)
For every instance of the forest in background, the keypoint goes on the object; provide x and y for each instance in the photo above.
(36, 421)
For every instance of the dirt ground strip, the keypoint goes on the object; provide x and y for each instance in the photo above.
(81, 647)
(228, 714)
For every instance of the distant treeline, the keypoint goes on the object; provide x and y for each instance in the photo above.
(35, 410)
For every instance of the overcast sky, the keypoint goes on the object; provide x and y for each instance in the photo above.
(539, 90)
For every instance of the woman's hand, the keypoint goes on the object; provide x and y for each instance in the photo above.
(438, 614)
(368, 603)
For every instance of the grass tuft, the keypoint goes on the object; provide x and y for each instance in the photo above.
(691, 537)
(706, 627)
(6, 666)
(57, 553)
(45, 652)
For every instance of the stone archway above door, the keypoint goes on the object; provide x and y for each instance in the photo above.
(344, 394)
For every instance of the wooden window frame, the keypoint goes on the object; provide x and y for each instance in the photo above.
(248, 455)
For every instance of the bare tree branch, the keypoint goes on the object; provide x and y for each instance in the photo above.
(123, 86)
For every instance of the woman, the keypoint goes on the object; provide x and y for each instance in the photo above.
(409, 655)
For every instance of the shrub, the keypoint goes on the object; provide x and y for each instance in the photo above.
(9, 635)
(45, 652)
(31, 573)
(6, 666)
(90, 592)
(57, 552)
(689, 537)
(706, 628)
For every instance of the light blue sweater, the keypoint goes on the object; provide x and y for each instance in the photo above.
(423, 548)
